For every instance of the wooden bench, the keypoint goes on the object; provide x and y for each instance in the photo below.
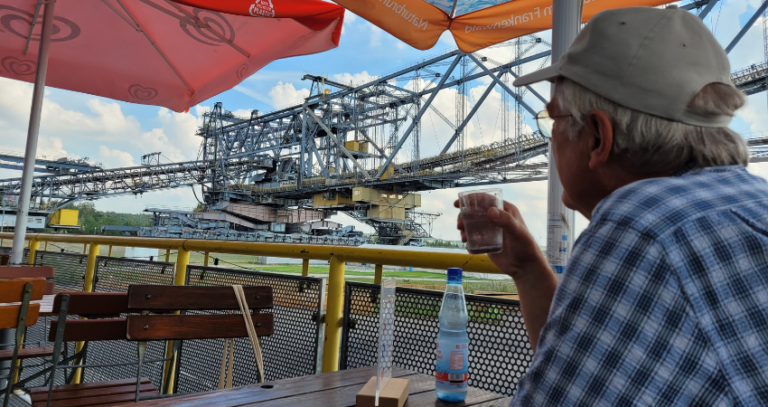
(160, 326)
(47, 272)
(18, 316)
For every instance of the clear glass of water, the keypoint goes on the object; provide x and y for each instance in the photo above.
(483, 236)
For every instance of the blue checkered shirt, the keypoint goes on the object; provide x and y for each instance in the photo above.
(664, 301)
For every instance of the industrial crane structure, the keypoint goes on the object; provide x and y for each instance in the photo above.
(368, 150)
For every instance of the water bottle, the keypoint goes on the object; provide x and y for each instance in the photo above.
(452, 352)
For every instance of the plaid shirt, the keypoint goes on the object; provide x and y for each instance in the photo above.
(665, 300)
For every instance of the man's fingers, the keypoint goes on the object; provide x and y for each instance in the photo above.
(456, 204)
(502, 219)
(460, 223)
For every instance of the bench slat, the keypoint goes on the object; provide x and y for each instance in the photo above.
(170, 298)
(166, 327)
(27, 353)
(90, 330)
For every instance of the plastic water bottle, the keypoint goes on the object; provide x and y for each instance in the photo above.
(452, 353)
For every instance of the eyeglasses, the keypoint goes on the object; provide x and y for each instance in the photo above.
(546, 123)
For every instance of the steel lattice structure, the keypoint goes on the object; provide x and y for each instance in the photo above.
(285, 158)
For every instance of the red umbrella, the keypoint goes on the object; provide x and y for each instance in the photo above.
(475, 24)
(158, 52)
(161, 52)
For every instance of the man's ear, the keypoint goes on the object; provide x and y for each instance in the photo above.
(600, 138)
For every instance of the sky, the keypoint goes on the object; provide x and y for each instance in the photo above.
(117, 134)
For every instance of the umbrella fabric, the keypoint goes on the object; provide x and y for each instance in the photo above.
(160, 52)
(475, 24)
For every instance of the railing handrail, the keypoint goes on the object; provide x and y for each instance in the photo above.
(378, 255)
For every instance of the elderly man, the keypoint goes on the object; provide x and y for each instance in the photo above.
(665, 299)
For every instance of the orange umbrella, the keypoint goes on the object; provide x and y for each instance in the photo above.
(475, 24)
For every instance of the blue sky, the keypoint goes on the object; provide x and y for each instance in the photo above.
(118, 133)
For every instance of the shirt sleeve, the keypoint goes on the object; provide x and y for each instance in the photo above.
(612, 330)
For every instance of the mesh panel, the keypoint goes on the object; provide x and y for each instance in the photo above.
(290, 352)
(70, 268)
(115, 275)
(499, 351)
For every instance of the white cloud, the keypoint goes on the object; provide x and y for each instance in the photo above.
(51, 147)
(252, 93)
(400, 45)
(285, 94)
(353, 79)
(115, 158)
(68, 131)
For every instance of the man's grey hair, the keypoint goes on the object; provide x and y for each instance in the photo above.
(645, 144)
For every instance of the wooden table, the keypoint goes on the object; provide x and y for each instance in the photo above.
(337, 389)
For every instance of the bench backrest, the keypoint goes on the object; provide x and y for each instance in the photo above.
(162, 299)
(169, 298)
(12, 291)
(30, 271)
(96, 307)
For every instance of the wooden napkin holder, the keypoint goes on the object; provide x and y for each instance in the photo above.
(394, 394)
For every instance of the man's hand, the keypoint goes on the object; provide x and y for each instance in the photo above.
(521, 259)
(519, 250)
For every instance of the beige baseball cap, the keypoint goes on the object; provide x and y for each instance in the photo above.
(647, 59)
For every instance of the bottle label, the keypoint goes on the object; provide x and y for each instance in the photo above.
(452, 377)
(457, 359)
(452, 360)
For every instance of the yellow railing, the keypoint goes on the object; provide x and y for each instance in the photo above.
(336, 255)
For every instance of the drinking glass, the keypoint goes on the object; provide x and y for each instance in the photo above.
(483, 236)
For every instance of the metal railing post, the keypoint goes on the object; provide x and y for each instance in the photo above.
(179, 278)
(168, 256)
(206, 258)
(333, 316)
(90, 272)
(34, 245)
(305, 267)
(45, 248)
(378, 274)
(85, 248)
(110, 250)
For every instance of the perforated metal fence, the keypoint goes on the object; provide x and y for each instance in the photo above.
(294, 348)
(115, 275)
(499, 351)
(70, 269)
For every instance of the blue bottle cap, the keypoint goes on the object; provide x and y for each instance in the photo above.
(454, 274)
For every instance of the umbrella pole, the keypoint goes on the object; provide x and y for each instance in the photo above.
(28, 171)
(566, 21)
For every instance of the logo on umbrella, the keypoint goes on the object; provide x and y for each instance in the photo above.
(241, 71)
(216, 21)
(18, 66)
(17, 22)
(262, 8)
(141, 93)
